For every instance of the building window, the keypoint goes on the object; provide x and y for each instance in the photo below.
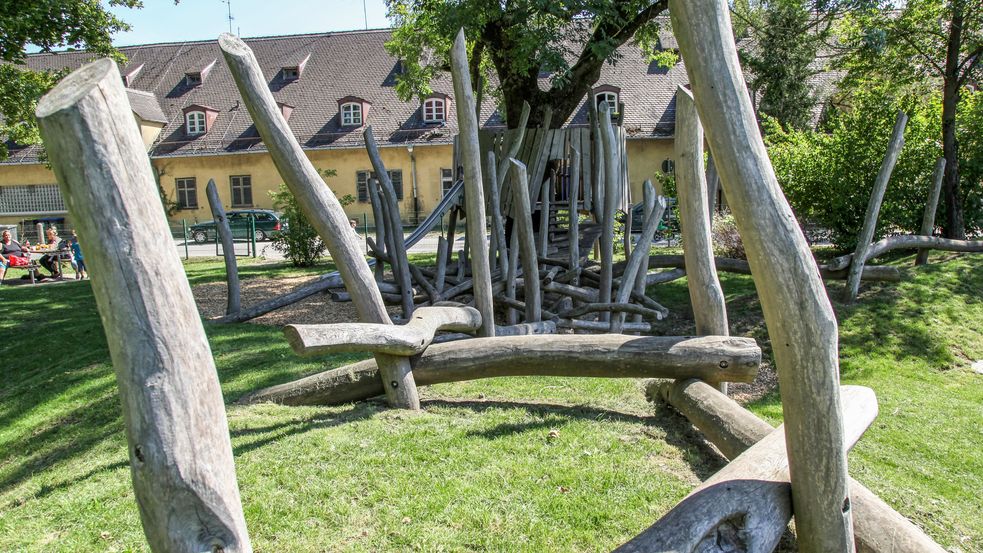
(351, 114)
(195, 121)
(610, 98)
(291, 73)
(187, 193)
(362, 182)
(242, 191)
(193, 79)
(446, 181)
(668, 166)
(433, 111)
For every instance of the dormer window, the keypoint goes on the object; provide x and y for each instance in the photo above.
(291, 73)
(609, 98)
(434, 110)
(131, 75)
(351, 114)
(198, 76)
(293, 67)
(195, 121)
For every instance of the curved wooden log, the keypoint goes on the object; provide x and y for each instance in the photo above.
(614, 307)
(747, 505)
(319, 205)
(403, 340)
(523, 329)
(228, 248)
(379, 218)
(911, 242)
(604, 356)
(662, 277)
(884, 273)
(878, 528)
(474, 196)
(649, 201)
(179, 450)
(418, 276)
(527, 242)
(797, 310)
(928, 218)
(611, 181)
(874, 207)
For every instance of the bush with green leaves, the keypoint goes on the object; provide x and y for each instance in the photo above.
(299, 241)
(726, 238)
(828, 176)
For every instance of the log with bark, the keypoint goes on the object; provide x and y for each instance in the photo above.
(605, 356)
(228, 248)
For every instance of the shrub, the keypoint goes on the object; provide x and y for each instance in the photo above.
(726, 240)
(299, 241)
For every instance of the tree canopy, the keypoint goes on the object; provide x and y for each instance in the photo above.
(520, 40)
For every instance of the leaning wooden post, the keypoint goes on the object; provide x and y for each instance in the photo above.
(573, 235)
(321, 207)
(610, 184)
(527, 242)
(179, 448)
(544, 218)
(648, 201)
(474, 198)
(928, 221)
(799, 317)
(874, 207)
(228, 247)
(378, 215)
(498, 223)
(390, 204)
(706, 296)
(639, 256)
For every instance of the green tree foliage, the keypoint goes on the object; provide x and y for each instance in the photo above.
(47, 24)
(300, 242)
(918, 42)
(517, 41)
(828, 176)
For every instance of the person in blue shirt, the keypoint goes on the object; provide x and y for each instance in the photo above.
(77, 258)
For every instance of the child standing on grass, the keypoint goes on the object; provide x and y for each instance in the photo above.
(77, 258)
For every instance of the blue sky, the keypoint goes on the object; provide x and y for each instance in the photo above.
(163, 21)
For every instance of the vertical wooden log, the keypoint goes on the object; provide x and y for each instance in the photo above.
(597, 173)
(451, 231)
(228, 247)
(495, 200)
(518, 142)
(321, 207)
(179, 448)
(626, 237)
(390, 206)
(378, 215)
(512, 314)
(611, 181)
(441, 264)
(544, 218)
(649, 195)
(799, 317)
(705, 293)
(874, 207)
(713, 184)
(467, 122)
(527, 242)
(573, 234)
(639, 256)
(928, 220)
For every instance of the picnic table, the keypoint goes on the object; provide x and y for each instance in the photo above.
(60, 256)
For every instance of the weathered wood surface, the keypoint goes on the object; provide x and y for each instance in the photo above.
(598, 326)
(474, 197)
(732, 429)
(404, 340)
(498, 222)
(379, 218)
(606, 356)
(639, 256)
(798, 314)
(910, 242)
(573, 228)
(661, 277)
(746, 506)
(320, 206)
(609, 308)
(544, 218)
(884, 273)
(233, 303)
(179, 450)
(523, 329)
(611, 181)
(874, 207)
(706, 295)
(928, 219)
(649, 201)
(526, 241)
(390, 211)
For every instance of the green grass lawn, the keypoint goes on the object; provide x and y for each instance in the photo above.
(503, 464)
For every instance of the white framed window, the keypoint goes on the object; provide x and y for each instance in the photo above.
(351, 114)
(609, 98)
(433, 111)
(242, 190)
(195, 121)
(187, 193)
(446, 181)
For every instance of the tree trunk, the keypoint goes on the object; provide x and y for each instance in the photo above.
(955, 226)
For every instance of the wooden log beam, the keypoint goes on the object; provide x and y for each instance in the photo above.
(523, 306)
(706, 295)
(320, 206)
(747, 505)
(177, 436)
(598, 326)
(527, 242)
(874, 207)
(573, 227)
(605, 356)
(390, 209)
(441, 275)
(403, 340)
(798, 314)
(613, 308)
(498, 222)
(379, 218)
(233, 303)
(544, 217)
(523, 329)
(612, 178)
(639, 256)
(882, 273)
(878, 528)
(890, 243)
(928, 219)
(418, 276)
(662, 277)
(474, 197)
(649, 201)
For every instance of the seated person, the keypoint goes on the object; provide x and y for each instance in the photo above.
(50, 261)
(10, 248)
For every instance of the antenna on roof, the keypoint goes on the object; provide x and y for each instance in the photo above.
(365, 15)
(229, 4)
